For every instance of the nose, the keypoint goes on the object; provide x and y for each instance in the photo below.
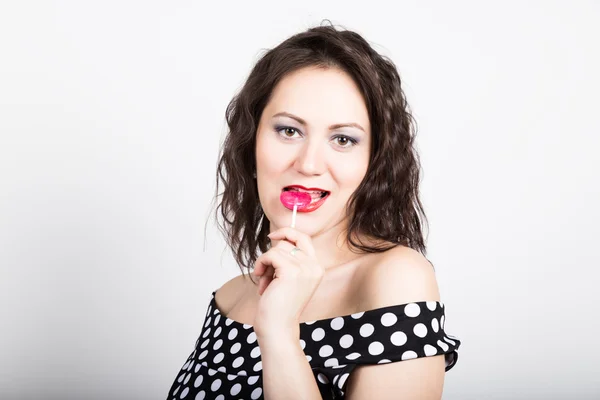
(310, 159)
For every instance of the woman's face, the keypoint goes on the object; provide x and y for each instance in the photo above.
(312, 153)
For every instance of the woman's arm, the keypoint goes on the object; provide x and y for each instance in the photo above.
(286, 371)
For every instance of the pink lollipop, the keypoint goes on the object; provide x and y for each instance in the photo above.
(292, 200)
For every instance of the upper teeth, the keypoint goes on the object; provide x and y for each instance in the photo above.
(307, 191)
(319, 192)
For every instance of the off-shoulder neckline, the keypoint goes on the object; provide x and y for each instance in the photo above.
(356, 315)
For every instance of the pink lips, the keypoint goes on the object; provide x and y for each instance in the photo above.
(290, 198)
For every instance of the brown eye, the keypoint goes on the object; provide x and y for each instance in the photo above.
(287, 130)
(348, 141)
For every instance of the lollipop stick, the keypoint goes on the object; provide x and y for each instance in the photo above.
(294, 215)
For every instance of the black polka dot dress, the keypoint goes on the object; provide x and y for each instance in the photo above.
(226, 361)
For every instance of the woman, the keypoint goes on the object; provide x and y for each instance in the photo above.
(341, 302)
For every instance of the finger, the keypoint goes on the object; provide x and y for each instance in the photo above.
(299, 239)
(261, 264)
(285, 245)
(263, 283)
(265, 280)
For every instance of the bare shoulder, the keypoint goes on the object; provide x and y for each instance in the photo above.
(232, 291)
(400, 275)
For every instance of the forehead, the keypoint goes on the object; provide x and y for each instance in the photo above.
(319, 96)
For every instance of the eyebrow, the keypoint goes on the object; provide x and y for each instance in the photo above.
(332, 127)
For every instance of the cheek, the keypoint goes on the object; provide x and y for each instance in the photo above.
(271, 156)
(351, 173)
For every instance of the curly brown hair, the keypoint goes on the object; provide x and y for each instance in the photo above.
(386, 204)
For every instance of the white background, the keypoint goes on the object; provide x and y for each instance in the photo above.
(111, 118)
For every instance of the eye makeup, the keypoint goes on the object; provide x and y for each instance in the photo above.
(353, 141)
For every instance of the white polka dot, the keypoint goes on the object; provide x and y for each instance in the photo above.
(197, 368)
(442, 320)
(242, 373)
(203, 354)
(186, 364)
(221, 369)
(198, 380)
(212, 372)
(251, 337)
(217, 331)
(353, 356)
(228, 321)
(383, 361)
(388, 319)
(326, 351)
(220, 397)
(447, 339)
(429, 350)
(218, 358)
(318, 334)
(322, 378)
(215, 385)
(181, 377)
(331, 362)
(204, 363)
(206, 332)
(218, 344)
(205, 343)
(309, 322)
(176, 390)
(252, 380)
(256, 393)
(187, 378)
(398, 338)
(235, 348)
(255, 352)
(246, 326)
(357, 315)
(231, 376)
(431, 305)
(412, 310)
(309, 358)
(257, 366)
(375, 348)
(235, 389)
(237, 362)
(207, 321)
(366, 330)
(337, 323)
(232, 334)
(407, 355)
(200, 395)
(435, 325)
(217, 318)
(420, 330)
(342, 380)
(346, 341)
(302, 344)
(184, 393)
(190, 367)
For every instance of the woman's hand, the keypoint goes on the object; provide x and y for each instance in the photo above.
(287, 282)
